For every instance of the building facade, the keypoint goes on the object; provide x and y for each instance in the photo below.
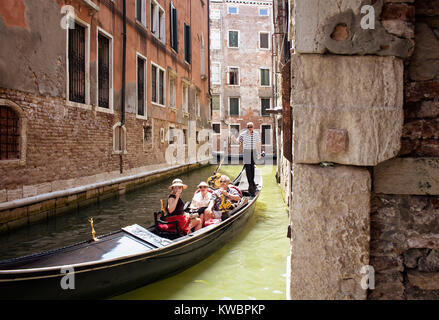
(363, 90)
(73, 112)
(241, 72)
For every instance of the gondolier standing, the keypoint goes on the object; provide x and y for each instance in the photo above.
(251, 141)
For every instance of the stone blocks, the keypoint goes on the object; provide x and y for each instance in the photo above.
(417, 176)
(319, 24)
(360, 98)
(330, 231)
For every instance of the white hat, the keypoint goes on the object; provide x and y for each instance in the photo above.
(177, 183)
(202, 184)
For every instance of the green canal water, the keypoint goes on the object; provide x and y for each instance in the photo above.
(252, 266)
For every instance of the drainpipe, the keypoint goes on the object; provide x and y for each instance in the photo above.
(122, 113)
(208, 57)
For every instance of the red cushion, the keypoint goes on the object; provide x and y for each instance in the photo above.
(183, 223)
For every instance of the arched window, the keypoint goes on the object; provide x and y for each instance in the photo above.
(9, 134)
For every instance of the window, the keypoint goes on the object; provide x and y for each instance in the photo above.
(197, 104)
(216, 127)
(234, 106)
(141, 11)
(157, 21)
(157, 84)
(232, 10)
(184, 136)
(153, 83)
(233, 39)
(264, 40)
(233, 76)
(119, 138)
(215, 14)
(77, 52)
(172, 91)
(174, 28)
(234, 132)
(263, 11)
(162, 135)
(171, 135)
(141, 85)
(185, 98)
(216, 73)
(216, 103)
(147, 138)
(187, 43)
(265, 77)
(215, 38)
(103, 71)
(265, 104)
(266, 134)
(9, 134)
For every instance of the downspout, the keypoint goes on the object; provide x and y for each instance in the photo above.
(122, 113)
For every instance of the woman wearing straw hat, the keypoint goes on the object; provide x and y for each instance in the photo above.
(201, 201)
(175, 208)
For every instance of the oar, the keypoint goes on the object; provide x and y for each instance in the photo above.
(219, 166)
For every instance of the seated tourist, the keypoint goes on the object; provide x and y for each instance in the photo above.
(175, 207)
(224, 198)
(201, 201)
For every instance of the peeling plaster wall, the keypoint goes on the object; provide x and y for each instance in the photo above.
(33, 50)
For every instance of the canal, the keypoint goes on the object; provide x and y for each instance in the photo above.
(252, 266)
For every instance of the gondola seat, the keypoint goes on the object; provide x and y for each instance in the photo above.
(166, 229)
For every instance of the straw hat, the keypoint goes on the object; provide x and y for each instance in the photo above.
(203, 184)
(177, 183)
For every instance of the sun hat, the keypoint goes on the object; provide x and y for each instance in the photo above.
(177, 183)
(202, 184)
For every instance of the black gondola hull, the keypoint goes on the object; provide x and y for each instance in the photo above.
(109, 278)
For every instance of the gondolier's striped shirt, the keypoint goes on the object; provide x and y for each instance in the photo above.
(249, 140)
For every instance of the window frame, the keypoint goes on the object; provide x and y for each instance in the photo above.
(260, 77)
(268, 40)
(261, 131)
(142, 20)
(213, 131)
(172, 74)
(173, 27)
(111, 72)
(213, 43)
(232, 143)
(145, 85)
(263, 15)
(187, 44)
(228, 39)
(269, 106)
(86, 104)
(239, 107)
(228, 76)
(158, 69)
(232, 6)
(158, 21)
(212, 80)
(185, 85)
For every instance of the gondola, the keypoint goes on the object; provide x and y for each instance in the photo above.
(121, 261)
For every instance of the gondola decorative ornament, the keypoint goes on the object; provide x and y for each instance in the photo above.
(93, 232)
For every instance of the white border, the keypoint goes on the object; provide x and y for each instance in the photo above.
(228, 39)
(268, 41)
(111, 80)
(239, 76)
(239, 106)
(269, 77)
(271, 134)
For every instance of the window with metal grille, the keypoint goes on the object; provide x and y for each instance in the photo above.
(234, 106)
(77, 64)
(104, 71)
(9, 134)
(140, 86)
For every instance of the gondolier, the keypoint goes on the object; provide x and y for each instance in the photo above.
(251, 141)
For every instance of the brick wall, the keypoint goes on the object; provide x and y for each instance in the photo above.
(405, 217)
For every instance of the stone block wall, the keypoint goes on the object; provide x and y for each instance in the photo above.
(405, 204)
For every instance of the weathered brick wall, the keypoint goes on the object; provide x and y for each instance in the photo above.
(75, 142)
(405, 217)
